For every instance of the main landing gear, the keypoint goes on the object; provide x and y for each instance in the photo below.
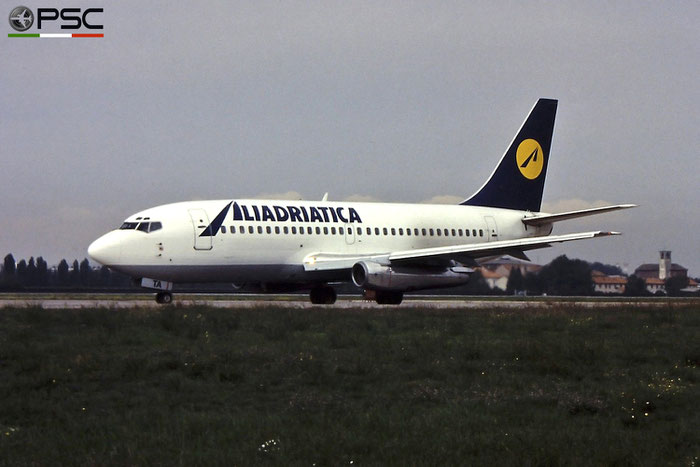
(164, 298)
(387, 297)
(323, 295)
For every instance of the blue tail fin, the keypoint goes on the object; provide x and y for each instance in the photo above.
(518, 181)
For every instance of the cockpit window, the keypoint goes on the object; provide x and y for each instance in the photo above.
(142, 226)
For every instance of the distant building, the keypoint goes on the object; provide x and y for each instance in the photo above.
(505, 264)
(664, 269)
(692, 287)
(608, 284)
(655, 275)
(497, 271)
(494, 279)
(655, 285)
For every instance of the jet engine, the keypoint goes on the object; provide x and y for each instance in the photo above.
(375, 276)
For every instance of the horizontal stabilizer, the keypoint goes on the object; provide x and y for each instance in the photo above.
(543, 219)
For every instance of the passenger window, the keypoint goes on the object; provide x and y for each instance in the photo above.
(285, 229)
(250, 229)
(447, 233)
(155, 226)
(143, 227)
(481, 233)
(393, 231)
(223, 229)
(439, 232)
(473, 232)
(309, 230)
(454, 234)
(376, 231)
(318, 230)
(386, 232)
(277, 229)
(294, 229)
(325, 231)
(359, 231)
(232, 229)
(260, 229)
(466, 232)
(268, 229)
(369, 231)
(432, 233)
(423, 232)
(333, 230)
(341, 231)
(241, 229)
(415, 232)
(460, 232)
(408, 232)
(400, 231)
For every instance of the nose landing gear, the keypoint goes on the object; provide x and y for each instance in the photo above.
(164, 298)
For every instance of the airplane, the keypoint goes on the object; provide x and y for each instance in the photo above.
(23, 18)
(388, 248)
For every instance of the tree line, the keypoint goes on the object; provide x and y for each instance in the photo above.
(35, 273)
(573, 277)
(561, 277)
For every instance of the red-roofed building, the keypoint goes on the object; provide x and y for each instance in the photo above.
(608, 284)
(664, 269)
(655, 285)
(655, 275)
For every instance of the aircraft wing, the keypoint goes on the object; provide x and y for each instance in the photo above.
(466, 253)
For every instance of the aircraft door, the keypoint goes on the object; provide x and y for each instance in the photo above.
(491, 229)
(200, 221)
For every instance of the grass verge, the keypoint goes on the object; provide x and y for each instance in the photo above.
(277, 386)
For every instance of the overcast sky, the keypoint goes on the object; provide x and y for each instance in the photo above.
(385, 101)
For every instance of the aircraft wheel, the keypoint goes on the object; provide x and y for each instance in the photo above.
(385, 297)
(164, 298)
(323, 296)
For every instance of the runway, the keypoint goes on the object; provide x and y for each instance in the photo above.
(73, 301)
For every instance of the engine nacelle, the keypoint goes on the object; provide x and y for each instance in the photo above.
(375, 276)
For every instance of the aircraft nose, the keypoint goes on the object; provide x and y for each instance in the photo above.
(106, 249)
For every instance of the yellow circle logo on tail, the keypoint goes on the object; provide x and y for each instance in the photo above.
(530, 159)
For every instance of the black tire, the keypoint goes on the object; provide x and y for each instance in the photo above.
(385, 297)
(164, 298)
(323, 296)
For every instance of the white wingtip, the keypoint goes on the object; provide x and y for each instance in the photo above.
(606, 234)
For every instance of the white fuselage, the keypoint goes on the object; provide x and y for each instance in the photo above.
(267, 241)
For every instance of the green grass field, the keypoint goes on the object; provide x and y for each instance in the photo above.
(270, 386)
